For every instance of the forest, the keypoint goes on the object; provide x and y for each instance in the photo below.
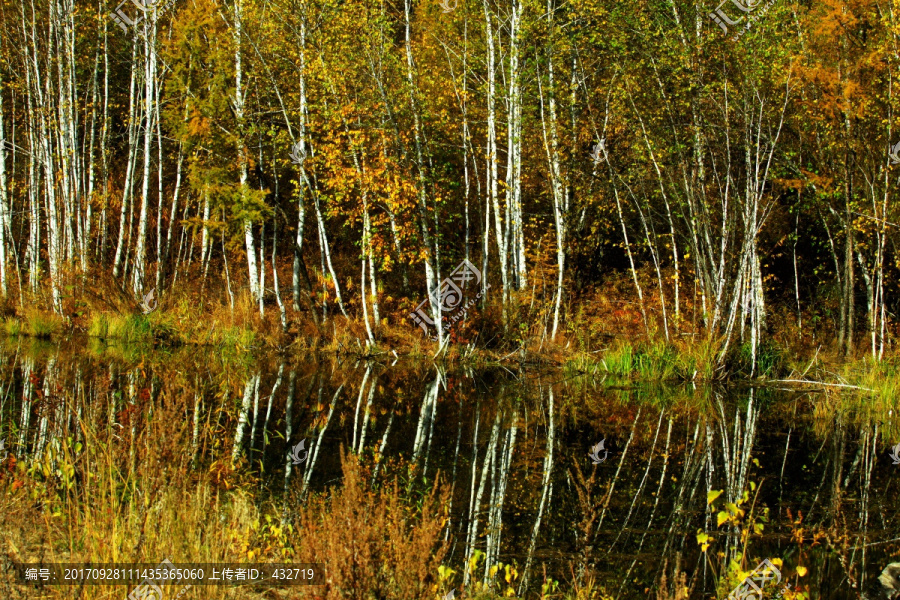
(557, 299)
(613, 168)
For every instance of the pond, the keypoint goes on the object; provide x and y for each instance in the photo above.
(689, 480)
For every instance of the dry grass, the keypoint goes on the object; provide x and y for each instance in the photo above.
(372, 544)
(131, 493)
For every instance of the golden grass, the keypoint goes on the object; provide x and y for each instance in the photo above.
(131, 495)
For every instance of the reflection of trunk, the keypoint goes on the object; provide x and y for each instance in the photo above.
(690, 477)
(838, 448)
(255, 418)
(787, 445)
(737, 459)
(474, 477)
(132, 398)
(640, 489)
(659, 491)
(437, 388)
(25, 420)
(195, 431)
(498, 494)
(869, 450)
(288, 430)
(379, 458)
(546, 494)
(362, 391)
(251, 385)
(314, 452)
(426, 417)
(473, 526)
(365, 421)
(44, 416)
(736, 456)
(612, 486)
(453, 476)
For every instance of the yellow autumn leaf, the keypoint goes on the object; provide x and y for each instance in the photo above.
(801, 571)
(712, 495)
(704, 541)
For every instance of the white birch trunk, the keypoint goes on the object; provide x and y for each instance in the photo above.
(140, 255)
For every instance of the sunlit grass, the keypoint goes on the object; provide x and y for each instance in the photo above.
(12, 327)
(650, 361)
(41, 324)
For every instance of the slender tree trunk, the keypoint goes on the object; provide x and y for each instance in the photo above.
(243, 160)
(129, 168)
(551, 147)
(432, 267)
(515, 236)
(4, 190)
(492, 159)
(140, 258)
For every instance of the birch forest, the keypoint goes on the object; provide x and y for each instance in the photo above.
(450, 299)
(618, 168)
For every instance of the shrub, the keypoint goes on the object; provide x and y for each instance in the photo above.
(372, 544)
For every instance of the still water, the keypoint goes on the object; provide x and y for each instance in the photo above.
(806, 470)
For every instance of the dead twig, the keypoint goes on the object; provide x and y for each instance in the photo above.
(837, 385)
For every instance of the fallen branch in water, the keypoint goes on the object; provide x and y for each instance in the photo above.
(838, 385)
